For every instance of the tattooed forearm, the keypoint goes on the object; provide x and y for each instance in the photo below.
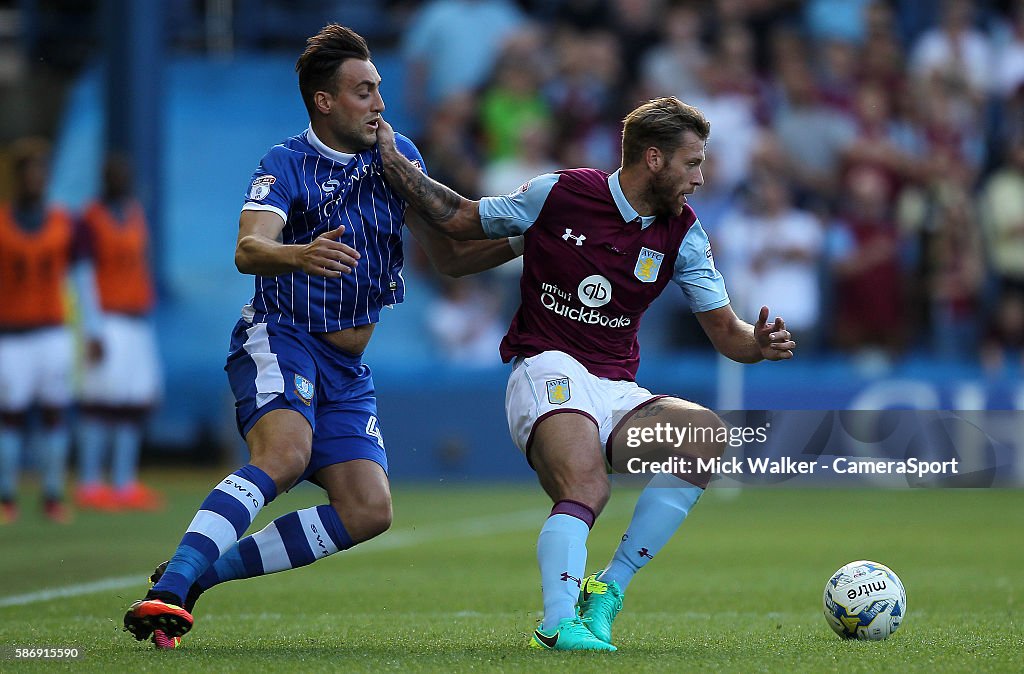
(437, 203)
(434, 200)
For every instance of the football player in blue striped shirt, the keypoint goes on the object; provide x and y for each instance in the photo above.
(321, 231)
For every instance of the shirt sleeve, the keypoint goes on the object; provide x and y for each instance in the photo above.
(409, 150)
(513, 214)
(270, 188)
(695, 272)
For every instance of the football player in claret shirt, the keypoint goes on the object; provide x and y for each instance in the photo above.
(39, 249)
(321, 231)
(598, 249)
(122, 378)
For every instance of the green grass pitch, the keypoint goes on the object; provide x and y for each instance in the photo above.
(454, 587)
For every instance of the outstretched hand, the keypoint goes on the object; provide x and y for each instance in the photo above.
(773, 338)
(327, 256)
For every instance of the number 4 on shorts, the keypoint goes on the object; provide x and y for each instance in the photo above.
(374, 431)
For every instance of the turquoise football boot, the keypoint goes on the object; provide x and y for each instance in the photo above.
(570, 635)
(599, 604)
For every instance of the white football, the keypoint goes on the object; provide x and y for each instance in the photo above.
(865, 600)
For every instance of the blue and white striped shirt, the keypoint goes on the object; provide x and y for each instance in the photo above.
(316, 189)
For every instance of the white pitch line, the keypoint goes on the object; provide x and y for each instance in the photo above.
(468, 528)
(70, 591)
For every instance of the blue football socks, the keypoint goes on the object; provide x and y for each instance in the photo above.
(222, 519)
(92, 446)
(54, 443)
(10, 456)
(124, 460)
(562, 556)
(661, 508)
(293, 540)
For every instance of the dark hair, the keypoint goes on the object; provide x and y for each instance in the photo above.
(324, 54)
(24, 151)
(660, 123)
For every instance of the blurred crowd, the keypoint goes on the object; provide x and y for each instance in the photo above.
(864, 176)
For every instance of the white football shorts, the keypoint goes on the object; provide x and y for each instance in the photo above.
(36, 367)
(554, 382)
(129, 373)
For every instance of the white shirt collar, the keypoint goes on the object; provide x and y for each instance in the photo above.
(319, 146)
(627, 212)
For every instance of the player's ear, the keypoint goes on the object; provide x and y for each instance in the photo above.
(323, 102)
(654, 159)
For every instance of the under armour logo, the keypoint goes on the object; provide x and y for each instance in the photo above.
(566, 577)
(643, 552)
(578, 239)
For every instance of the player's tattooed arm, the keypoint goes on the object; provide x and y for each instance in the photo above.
(440, 206)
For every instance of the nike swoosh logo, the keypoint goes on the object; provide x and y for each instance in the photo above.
(586, 588)
(547, 641)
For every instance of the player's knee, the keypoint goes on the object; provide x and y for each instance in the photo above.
(591, 489)
(602, 492)
(366, 518)
(377, 522)
(285, 464)
(710, 435)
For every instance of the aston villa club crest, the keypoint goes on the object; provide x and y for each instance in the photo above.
(558, 390)
(261, 187)
(304, 388)
(648, 265)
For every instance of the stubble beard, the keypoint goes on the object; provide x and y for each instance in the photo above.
(356, 139)
(663, 197)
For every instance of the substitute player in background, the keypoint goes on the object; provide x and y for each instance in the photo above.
(122, 379)
(37, 253)
(322, 232)
(598, 249)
